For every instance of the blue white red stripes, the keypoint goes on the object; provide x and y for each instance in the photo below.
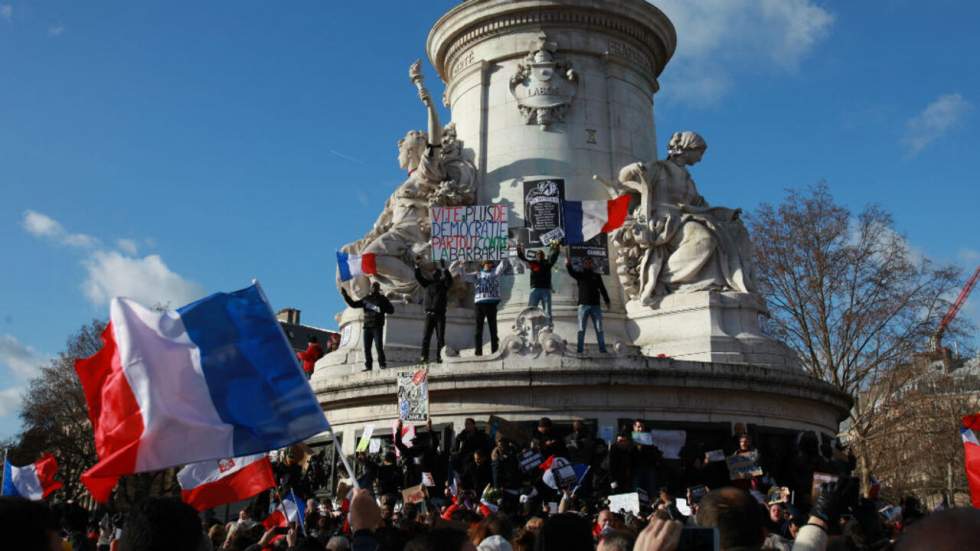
(35, 481)
(353, 265)
(587, 219)
(209, 484)
(211, 380)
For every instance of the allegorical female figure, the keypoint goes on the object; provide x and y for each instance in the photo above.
(686, 245)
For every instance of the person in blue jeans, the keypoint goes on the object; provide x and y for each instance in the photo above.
(590, 288)
(540, 276)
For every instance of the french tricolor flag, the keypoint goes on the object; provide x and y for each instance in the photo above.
(587, 219)
(971, 455)
(291, 509)
(208, 484)
(35, 481)
(353, 265)
(211, 380)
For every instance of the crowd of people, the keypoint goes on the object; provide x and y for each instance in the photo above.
(492, 493)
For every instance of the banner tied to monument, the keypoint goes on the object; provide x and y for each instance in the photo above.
(471, 233)
(413, 395)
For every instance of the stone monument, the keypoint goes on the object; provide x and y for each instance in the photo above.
(554, 98)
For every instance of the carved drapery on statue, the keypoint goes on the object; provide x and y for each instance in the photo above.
(438, 175)
(673, 242)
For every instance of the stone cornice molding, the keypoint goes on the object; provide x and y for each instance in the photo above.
(649, 37)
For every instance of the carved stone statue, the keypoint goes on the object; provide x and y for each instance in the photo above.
(673, 242)
(543, 85)
(438, 174)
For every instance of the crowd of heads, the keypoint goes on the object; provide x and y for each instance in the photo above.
(476, 495)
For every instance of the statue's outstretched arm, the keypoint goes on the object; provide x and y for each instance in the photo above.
(435, 129)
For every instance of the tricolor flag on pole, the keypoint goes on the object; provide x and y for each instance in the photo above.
(353, 265)
(208, 484)
(291, 509)
(35, 481)
(971, 455)
(587, 219)
(211, 380)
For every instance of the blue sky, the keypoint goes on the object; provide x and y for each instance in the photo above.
(166, 150)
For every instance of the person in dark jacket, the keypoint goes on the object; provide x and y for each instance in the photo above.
(375, 306)
(590, 287)
(540, 277)
(468, 441)
(477, 474)
(309, 356)
(434, 304)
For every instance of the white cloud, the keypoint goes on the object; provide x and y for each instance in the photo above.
(6, 11)
(128, 246)
(56, 30)
(42, 225)
(20, 360)
(938, 118)
(147, 280)
(10, 401)
(717, 36)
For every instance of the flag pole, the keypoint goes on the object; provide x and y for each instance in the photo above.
(343, 459)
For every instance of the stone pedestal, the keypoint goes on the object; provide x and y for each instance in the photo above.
(707, 327)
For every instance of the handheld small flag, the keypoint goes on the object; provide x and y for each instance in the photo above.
(587, 219)
(208, 484)
(35, 481)
(353, 265)
(214, 379)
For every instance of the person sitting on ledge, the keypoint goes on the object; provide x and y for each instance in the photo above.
(590, 287)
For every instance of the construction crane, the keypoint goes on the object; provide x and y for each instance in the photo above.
(951, 315)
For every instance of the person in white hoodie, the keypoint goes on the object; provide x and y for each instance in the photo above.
(486, 285)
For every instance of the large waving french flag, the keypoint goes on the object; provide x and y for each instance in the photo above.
(587, 219)
(211, 380)
(209, 484)
(971, 455)
(35, 481)
(353, 265)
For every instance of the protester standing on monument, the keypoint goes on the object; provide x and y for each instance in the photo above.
(540, 276)
(485, 300)
(309, 356)
(590, 287)
(375, 306)
(434, 303)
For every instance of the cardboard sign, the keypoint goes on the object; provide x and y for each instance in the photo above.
(428, 481)
(819, 479)
(413, 395)
(511, 431)
(530, 460)
(374, 446)
(743, 467)
(625, 503)
(362, 444)
(669, 442)
(471, 233)
(714, 456)
(415, 494)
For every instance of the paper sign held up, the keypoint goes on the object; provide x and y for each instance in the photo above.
(413, 395)
(628, 503)
(415, 494)
(743, 467)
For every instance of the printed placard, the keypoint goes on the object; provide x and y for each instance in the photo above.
(744, 466)
(625, 503)
(472, 233)
(413, 395)
(530, 460)
(596, 249)
(543, 214)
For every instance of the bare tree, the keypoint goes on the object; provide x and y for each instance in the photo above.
(55, 414)
(848, 294)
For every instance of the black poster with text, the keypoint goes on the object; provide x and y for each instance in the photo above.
(543, 218)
